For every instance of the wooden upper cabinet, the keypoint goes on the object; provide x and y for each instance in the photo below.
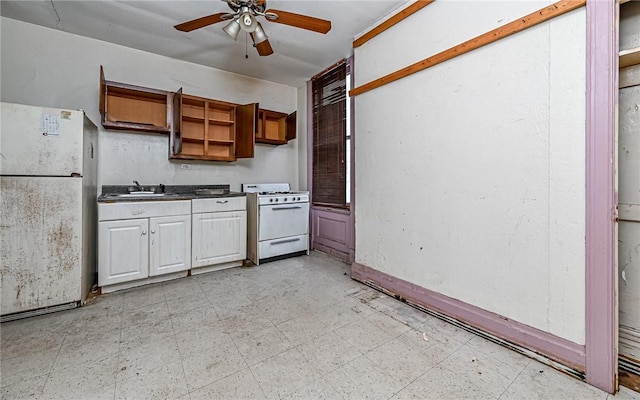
(207, 130)
(212, 130)
(276, 127)
(199, 128)
(135, 108)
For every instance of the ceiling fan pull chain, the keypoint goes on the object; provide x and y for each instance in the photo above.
(246, 41)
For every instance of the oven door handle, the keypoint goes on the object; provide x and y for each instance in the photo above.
(285, 241)
(287, 208)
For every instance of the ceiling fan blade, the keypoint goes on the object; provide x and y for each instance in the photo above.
(301, 21)
(264, 48)
(200, 22)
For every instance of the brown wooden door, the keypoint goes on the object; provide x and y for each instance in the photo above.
(175, 138)
(246, 128)
(103, 96)
(291, 126)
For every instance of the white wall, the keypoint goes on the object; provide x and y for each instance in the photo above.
(46, 67)
(471, 175)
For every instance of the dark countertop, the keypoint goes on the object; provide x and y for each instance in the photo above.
(172, 193)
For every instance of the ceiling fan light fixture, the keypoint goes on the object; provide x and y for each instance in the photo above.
(258, 34)
(232, 29)
(248, 22)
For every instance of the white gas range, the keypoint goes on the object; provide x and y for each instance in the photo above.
(277, 221)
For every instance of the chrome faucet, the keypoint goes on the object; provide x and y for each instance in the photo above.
(138, 187)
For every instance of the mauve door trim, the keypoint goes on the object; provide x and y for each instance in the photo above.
(351, 239)
(601, 274)
(310, 157)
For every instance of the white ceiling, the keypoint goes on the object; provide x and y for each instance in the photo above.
(148, 25)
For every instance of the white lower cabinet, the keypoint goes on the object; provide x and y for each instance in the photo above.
(134, 249)
(219, 237)
(219, 233)
(169, 244)
(145, 242)
(123, 251)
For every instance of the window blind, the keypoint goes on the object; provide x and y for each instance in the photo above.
(329, 137)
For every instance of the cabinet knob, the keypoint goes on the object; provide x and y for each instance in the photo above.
(152, 231)
(144, 232)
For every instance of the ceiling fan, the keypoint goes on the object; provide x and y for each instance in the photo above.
(244, 17)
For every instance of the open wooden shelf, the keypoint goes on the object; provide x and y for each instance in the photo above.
(135, 108)
(199, 157)
(189, 118)
(270, 141)
(192, 140)
(221, 122)
(207, 129)
(629, 57)
(275, 127)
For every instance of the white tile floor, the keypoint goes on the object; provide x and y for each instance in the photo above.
(293, 329)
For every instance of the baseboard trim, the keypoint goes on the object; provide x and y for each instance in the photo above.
(344, 257)
(215, 267)
(553, 347)
(142, 282)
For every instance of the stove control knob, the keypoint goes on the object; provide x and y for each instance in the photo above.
(298, 199)
(285, 199)
(276, 200)
(270, 200)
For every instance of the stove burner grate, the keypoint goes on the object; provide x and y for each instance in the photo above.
(272, 193)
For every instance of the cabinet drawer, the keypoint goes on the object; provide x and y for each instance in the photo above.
(218, 204)
(142, 209)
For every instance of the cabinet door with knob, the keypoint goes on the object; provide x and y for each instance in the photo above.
(124, 251)
(169, 244)
(219, 237)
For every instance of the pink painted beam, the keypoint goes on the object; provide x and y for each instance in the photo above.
(601, 276)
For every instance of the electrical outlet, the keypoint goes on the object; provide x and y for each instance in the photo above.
(185, 166)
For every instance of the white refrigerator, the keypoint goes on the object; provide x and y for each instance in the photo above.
(48, 186)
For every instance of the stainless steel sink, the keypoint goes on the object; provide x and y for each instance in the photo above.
(141, 192)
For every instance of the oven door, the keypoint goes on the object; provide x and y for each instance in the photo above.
(278, 221)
